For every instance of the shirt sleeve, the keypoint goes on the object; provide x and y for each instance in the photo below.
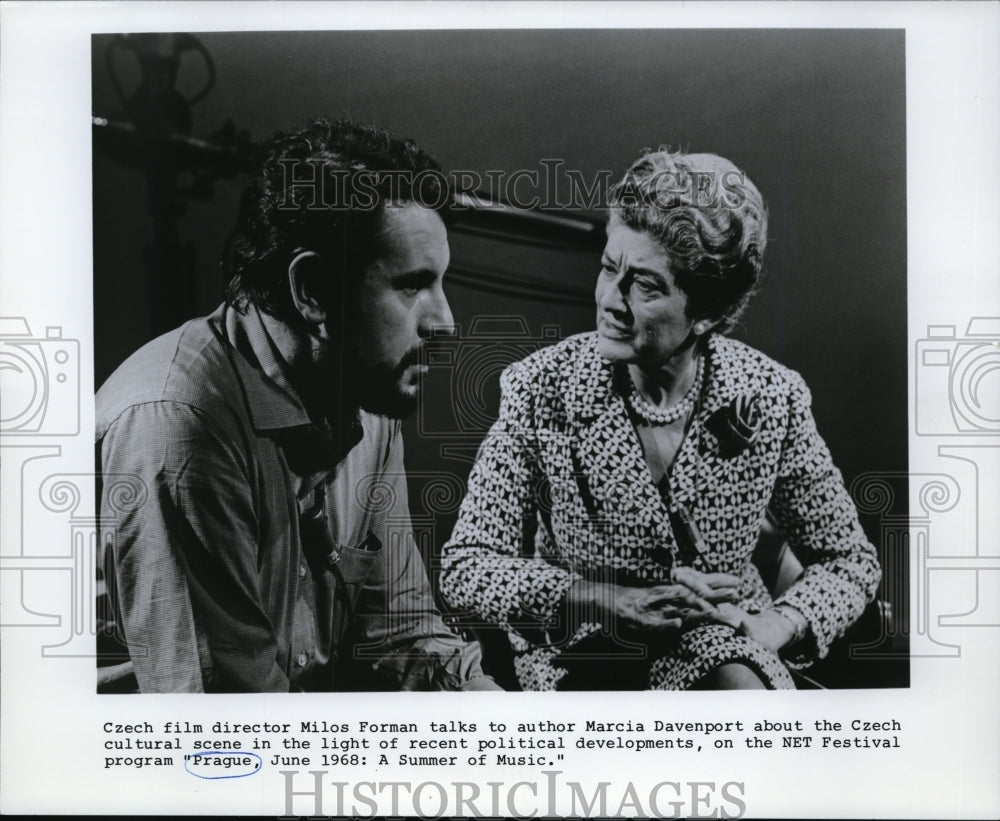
(489, 565)
(185, 560)
(398, 627)
(817, 516)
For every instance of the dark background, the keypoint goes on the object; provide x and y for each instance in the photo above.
(815, 118)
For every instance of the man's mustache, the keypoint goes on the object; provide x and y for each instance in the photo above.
(424, 351)
(415, 356)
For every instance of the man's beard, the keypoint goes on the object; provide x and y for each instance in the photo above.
(379, 389)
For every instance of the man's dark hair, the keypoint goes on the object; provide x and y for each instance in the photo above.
(323, 188)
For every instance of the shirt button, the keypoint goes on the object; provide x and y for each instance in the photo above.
(302, 571)
(302, 659)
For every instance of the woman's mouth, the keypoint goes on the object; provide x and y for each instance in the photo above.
(612, 331)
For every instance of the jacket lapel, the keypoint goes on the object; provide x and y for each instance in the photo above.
(608, 460)
(702, 473)
(610, 468)
(691, 477)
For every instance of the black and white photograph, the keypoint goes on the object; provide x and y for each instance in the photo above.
(593, 360)
(636, 313)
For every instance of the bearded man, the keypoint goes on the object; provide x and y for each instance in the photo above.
(271, 549)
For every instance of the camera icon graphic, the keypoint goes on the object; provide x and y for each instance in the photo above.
(464, 373)
(964, 369)
(39, 381)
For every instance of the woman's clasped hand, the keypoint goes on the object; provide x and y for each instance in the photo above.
(658, 610)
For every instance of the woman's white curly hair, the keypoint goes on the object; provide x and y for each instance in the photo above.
(709, 218)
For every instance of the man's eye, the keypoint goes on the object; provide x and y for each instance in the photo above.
(607, 270)
(410, 286)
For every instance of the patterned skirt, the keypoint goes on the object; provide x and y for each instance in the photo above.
(599, 662)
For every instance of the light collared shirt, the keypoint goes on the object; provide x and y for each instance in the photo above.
(219, 499)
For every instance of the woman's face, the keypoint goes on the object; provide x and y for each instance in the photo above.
(641, 313)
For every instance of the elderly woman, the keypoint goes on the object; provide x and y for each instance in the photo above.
(616, 504)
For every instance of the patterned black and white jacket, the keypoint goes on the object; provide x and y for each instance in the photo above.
(561, 491)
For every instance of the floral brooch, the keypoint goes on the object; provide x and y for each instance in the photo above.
(737, 424)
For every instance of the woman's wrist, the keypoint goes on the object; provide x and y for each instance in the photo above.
(796, 621)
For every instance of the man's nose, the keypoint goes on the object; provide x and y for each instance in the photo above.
(439, 321)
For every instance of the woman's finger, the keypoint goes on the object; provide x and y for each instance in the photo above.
(721, 594)
(682, 612)
(662, 625)
(672, 616)
(722, 580)
(715, 579)
(731, 615)
(699, 606)
(674, 594)
(691, 579)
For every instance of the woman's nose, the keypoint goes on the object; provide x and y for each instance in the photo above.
(612, 298)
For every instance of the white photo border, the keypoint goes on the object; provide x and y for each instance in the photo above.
(53, 741)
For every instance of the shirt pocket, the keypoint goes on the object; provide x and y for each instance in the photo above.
(355, 566)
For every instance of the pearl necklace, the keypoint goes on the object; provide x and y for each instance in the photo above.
(664, 416)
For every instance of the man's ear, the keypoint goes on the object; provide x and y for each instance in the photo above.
(310, 286)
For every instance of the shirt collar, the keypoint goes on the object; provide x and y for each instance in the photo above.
(273, 405)
(272, 402)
